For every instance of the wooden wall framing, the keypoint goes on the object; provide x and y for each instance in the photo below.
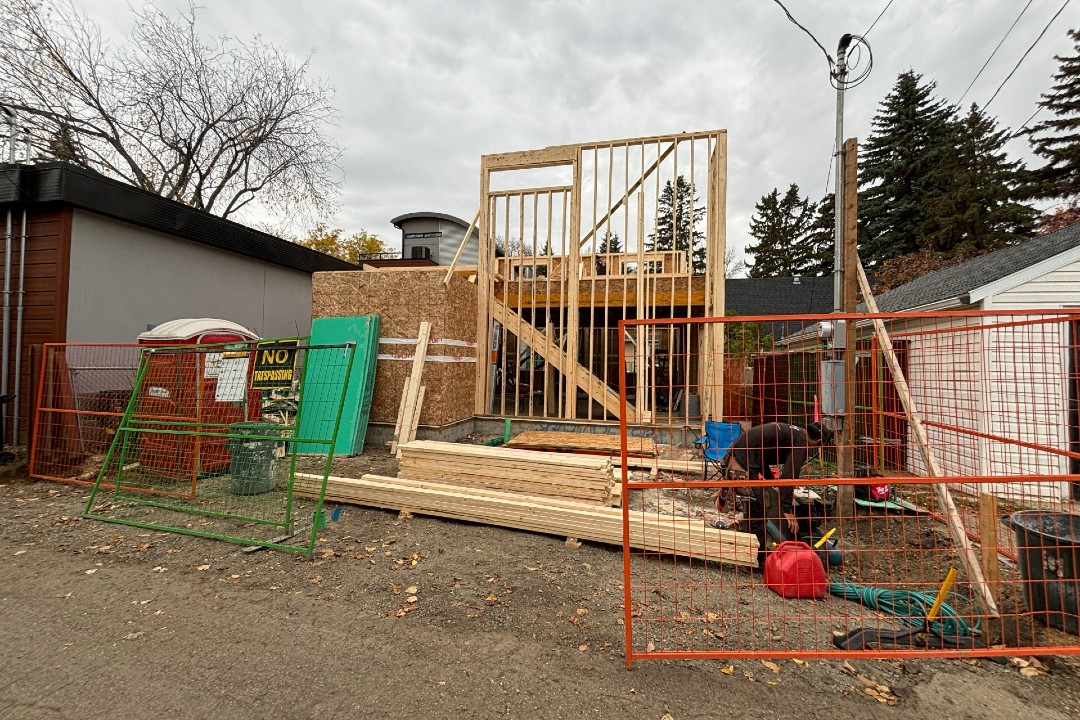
(557, 332)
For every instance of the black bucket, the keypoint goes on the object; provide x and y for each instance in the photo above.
(1048, 548)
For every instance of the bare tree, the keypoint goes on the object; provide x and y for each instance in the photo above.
(215, 123)
(734, 264)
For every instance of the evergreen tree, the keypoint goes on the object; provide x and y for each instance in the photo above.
(1057, 139)
(973, 206)
(909, 138)
(677, 222)
(610, 243)
(821, 240)
(781, 226)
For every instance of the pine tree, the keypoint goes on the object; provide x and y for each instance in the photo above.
(677, 222)
(973, 207)
(909, 138)
(610, 243)
(821, 240)
(1057, 139)
(781, 226)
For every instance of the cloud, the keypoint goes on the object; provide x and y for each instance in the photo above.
(425, 87)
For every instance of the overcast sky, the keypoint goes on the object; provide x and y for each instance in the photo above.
(424, 88)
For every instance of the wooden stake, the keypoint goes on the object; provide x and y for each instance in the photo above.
(410, 433)
(988, 550)
(400, 416)
(956, 528)
(413, 391)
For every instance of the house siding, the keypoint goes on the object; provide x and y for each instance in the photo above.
(444, 247)
(1056, 289)
(125, 279)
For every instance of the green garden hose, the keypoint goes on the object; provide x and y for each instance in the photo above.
(908, 605)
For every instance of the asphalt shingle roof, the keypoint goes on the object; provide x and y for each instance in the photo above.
(959, 280)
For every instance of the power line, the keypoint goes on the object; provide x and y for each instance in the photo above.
(883, 12)
(1024, 125)
(803, 28)
(1021, 60)
(1000, 42)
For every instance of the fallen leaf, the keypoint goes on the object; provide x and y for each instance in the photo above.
(19, 552)
(1030, 672)
(582, 647)
(771, 666)
(667, 716)
(1019, 662)
(772, 682)
(134, 635)
(411, 598)
(797, 661)
(582, 611)
(316, 580)
(492, 598)
(396, 588)
(91, 571)
(203, 567)
(729, 670)
(850, 668)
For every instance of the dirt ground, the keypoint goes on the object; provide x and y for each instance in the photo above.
(394, 617)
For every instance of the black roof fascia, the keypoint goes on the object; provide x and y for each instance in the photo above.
(88, 190)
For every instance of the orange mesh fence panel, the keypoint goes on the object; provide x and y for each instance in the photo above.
(83, 390)
(952, 443)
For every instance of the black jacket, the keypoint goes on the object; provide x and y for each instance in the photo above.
(773, 444)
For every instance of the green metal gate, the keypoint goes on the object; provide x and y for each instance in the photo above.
(209, 444)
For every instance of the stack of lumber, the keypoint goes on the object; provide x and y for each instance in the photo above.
(597, 443)
(650, 531)
(586, 478)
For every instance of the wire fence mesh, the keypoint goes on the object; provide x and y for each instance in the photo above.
(952, 444)
(82, 391)
(210, 440)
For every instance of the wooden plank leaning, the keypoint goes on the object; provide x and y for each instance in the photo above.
(412, 388)
(968, 557)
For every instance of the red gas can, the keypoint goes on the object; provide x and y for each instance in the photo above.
(793, 570)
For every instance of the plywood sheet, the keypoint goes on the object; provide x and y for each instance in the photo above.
(402, 299)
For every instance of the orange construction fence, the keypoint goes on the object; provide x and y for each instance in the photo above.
(940, 518)
(82, 391)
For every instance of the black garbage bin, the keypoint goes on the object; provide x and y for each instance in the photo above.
(252, 463)
(1048, 548)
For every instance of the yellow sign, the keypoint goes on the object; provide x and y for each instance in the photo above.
(275, 364)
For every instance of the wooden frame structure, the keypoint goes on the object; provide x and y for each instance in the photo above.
(652, 210)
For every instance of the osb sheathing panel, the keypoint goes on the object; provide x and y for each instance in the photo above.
(402, 300)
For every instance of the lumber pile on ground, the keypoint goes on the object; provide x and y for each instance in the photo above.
(586, 478)
(651, 531)
(596, 443)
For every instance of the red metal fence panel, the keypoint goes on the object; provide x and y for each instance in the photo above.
(83, 389)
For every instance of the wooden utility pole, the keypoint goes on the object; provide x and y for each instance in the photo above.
(845, 440)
